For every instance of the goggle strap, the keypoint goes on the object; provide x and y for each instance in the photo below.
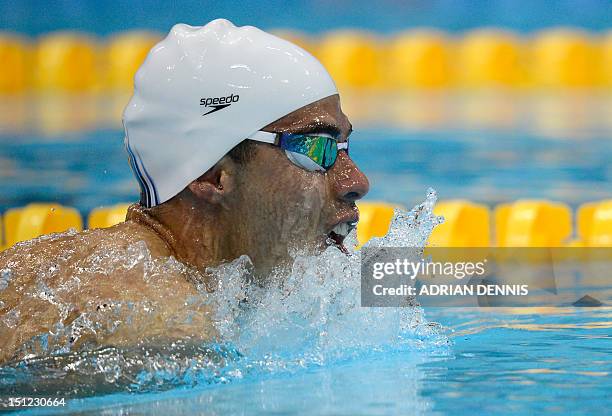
(263, 136)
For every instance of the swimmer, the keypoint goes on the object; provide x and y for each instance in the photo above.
(240, 147)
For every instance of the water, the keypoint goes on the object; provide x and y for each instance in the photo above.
(304, 319)
(306, 347)
(89, 169)
(539, 361)
(311, 16)
(547, 362)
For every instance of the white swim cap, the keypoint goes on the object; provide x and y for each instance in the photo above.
(203, 90)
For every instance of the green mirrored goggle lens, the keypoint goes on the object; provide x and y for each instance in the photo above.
(323, 150)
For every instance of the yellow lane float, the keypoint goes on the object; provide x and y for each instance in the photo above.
(594, 224)
(14, 64)
(524, 223)
(67, 61)
(466, 224)
(419, 59)
(34, 220)
(489, 58)
(532, 223)
(352, 58)
(374, 219)
(562, 58)
(124, 55)
(104, 217)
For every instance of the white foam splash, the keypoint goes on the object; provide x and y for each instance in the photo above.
(310, 317)
(313, 315)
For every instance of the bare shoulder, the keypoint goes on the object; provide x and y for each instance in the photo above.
(106, 286)
(79, 256)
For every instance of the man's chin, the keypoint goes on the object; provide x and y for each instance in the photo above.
(303, 248)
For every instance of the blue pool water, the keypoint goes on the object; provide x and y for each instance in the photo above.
(90, 169)
(311, 16)
(514, 361)
(549, 361)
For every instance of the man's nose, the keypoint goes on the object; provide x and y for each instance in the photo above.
(348, 182)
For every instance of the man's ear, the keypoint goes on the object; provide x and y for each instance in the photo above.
(214, 185)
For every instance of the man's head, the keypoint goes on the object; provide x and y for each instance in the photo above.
(289, 187)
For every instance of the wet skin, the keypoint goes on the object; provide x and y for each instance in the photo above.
(264, 208)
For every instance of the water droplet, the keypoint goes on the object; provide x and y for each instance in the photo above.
(5, 277)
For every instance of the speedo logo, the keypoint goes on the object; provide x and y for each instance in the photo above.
(218, 103)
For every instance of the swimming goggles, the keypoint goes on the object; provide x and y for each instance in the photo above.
(313, 152)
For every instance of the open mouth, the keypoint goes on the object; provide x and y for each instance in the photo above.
(337, 235)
